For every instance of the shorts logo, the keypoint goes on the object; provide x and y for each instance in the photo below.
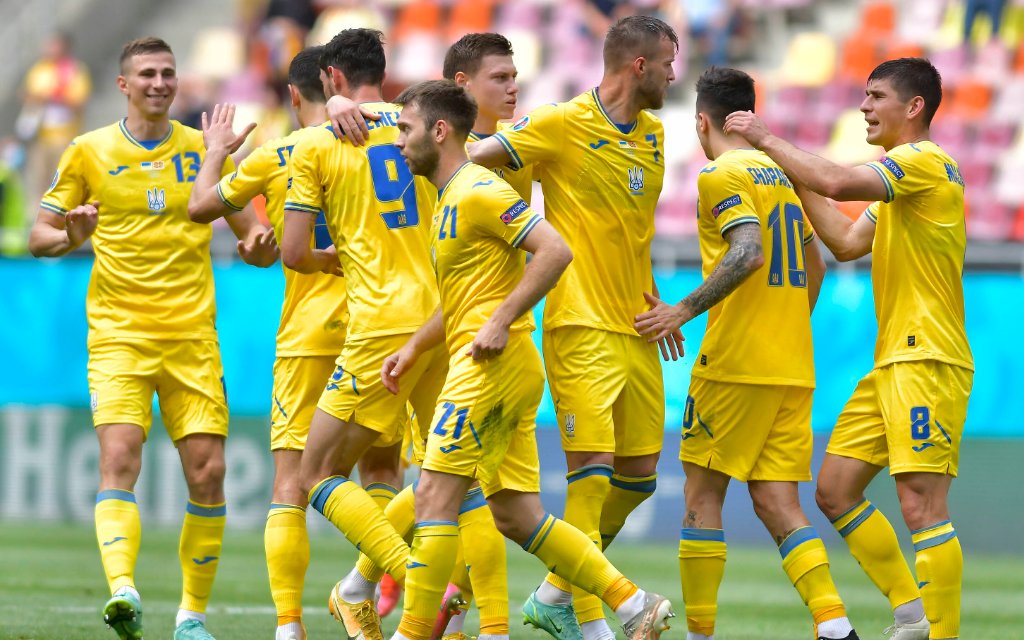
(94, 401)
(726, 204)
(703, 359)
(911, 341)
(513, 212)
(570, 425)
(895, 169)
(521, 123)
(635, 180)
(922, 447)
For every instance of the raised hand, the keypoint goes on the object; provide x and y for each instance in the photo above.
(218, 129)
(80, 222)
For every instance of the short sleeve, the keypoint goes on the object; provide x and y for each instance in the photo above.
(68, 189)
(536, 137)
(871, 212)
(249, 180)
(725, 197)
(904, 171)
(304, 180)
(497, 210)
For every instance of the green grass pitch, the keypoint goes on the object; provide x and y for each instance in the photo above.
(52, 587)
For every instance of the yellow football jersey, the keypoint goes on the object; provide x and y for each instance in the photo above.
(314, 311)
(761, 332)
(376, 212)
(918, 257)
(152, 276)
(520, 179)
(478, 224)
(601, 183)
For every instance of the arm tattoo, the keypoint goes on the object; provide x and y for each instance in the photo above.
(739, 262)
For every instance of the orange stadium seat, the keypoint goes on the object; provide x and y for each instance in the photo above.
(859, 57)
(469, 16)
(970, 100)
(418, 16)
(878, 19)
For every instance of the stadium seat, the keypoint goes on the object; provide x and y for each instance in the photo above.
(217, 53)
(878, 19)
(469, 16)
(810, 60)
(415, 17)
(847, 144)
(859, 57)
(970, 100)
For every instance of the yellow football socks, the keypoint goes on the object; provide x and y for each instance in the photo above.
(585, 497)
(401, 513)
(434, 547)
(565, 551)
(382, 494)
(485, 563)
(806, 563)
(287, 546)
(940, 567)
(873, 544)
(625, 494)
(199, 552)
(357, 516)
(118, 531)
(701, 567)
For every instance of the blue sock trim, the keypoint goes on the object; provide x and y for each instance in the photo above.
(115, 494)
(590, 470)
(541, 532)
(628, 484)
(324, 490)
(215, 511)
(382, 485)
(856, 522)
(797, 538)
(281, 505)
(473, 500)
(705, 535)
(847, 512)
(436, 523)
(934, 542)
(931, 526)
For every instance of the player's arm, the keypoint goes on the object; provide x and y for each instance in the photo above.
(256, 242)
(54, 235)
(744, 256)
(204, 203)
(846, 239)
(551, 255)
(818, 174)
(814, 263)
(488, 152)
(297, 250)
(535, 138)
(426, 337)
(349, 118)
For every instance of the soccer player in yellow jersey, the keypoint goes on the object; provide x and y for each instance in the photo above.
(310, 335)
(150, 308)
(601, 156)
(483, 425)
(375, 212)
(748, 412)
(909, 411)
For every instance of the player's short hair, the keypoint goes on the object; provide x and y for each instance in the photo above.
(304, 74)
(633, 37)
(442, 100)
(468, 53)
(357, 53)
(142, 46)
(721, 90)
(912, 77)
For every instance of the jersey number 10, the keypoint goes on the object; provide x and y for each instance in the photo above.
(787, 221)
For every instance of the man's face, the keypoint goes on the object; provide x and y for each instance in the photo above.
(416, 142)
(884, 112)
(150, 81)
(494, 87)
(658, 75)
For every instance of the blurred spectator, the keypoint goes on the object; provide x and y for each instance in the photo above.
(14, 224)
(53, 96)
(712, 24)
(992, 8)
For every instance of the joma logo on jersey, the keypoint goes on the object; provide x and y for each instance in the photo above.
(570, 425)
(635, 176)
(157, 199)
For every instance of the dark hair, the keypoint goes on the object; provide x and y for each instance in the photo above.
(304, 74)
(357, 53)
(468, 53)
(633, 37)
(142, 46)
(721, 90)
(912, 77)
(442, 100)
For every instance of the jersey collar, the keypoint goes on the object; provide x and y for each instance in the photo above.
(148, 145)
(625, 129)
(440, 192)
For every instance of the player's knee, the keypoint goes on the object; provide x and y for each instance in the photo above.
(828, 500)
(512, 528)
(120, 465)
(206, 476)
(922, 509)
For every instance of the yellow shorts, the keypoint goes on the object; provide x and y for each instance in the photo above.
(907, 415)
(484, 424)
(355, 393)
(749, 431)
(186, 376)
(607, 389)
(298, 383)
